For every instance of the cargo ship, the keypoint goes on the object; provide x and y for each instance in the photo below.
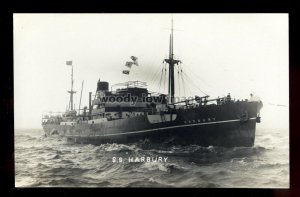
(131, 113)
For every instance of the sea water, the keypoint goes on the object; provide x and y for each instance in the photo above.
(53, 162)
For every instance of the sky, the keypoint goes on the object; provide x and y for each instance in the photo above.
(220, 53)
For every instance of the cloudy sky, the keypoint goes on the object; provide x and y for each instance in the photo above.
(221, 53)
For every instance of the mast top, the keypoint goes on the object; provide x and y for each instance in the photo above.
(172, 54)
(171, 50)
(70, 63)
(171, 62)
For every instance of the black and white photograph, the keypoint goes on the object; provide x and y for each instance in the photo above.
(151, 100)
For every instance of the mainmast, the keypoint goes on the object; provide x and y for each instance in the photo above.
(69, 63)
(171, 61)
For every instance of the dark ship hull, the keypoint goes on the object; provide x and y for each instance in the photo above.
(229, 124)
(156, 118)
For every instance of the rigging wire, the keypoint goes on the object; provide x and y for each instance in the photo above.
(154, 77)
(165, 77)
(178, 79)
(162, 71)
(157, 85)
(192, 82)
(183, 84)
(179, 69)
(153, 61)
(184, 78)
(189, 90)
(197, 77)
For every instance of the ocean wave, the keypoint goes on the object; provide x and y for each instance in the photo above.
(41, 165)
(171, 168)
(113, 147)
(224, 172)
(25, 138)
(210, 185)
(270, 165)
(43, 161)
(175, 168)
(65, 182)
(154, 166)
(151, 182)
(56, 156)
(64, 171)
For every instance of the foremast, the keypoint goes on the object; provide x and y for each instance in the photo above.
(172, 62)
(71, 92)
